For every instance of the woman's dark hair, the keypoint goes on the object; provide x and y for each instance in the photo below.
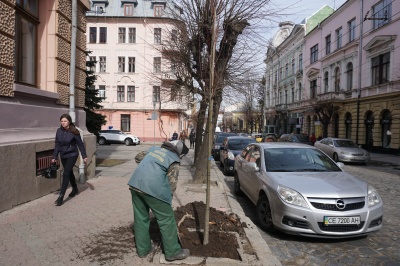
(72, 127)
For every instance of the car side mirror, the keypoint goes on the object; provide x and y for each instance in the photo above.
(340, 164)
(252, 167)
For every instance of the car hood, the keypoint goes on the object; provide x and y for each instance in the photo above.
(323, 184)
(131, 136)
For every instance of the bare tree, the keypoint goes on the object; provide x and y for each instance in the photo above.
(189, 52)
(325, 109)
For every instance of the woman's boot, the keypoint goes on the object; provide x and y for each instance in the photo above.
(73, 192)
(59, 200)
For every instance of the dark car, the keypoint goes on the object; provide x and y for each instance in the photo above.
(298, 138)
(231, 147)
(217, 143)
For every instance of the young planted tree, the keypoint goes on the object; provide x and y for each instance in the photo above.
(94, 121)
(325, 109)
(237, 21)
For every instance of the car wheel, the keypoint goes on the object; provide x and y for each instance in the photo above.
(128, 142)
(264, 214)
(335, 157)
(102, 141)
(236, 185)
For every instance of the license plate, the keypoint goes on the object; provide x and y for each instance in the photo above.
(332, 220)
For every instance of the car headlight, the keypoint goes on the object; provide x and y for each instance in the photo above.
(373, 196)
(291, 196)
(216, 147)
(231, 156)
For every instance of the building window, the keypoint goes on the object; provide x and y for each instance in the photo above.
(337, 79)
(300, 61)
(121, 35)
(103, 35)
(157, 64)
(286, 97)
(352, 29)
(128, 10)
(102, 91)
(286, 70)
(293, 66)
(156, 94)
(92, 62)
(102, 64)
(380, 69)
(126, 123)
(339, 38)
(131, 64)
(92, 34)
(120, 94)
(27, 20)
(280, 97)
(349, 76)
(313, 89)
(328, 44)
(326, 81)
(158, 10)
(132, 35)
(299, 91)
(131, 93)
(292, 95)
(175, 96)
(314, 53)
(157, 35)
(121, 64)
(174, 36)
(382, 13)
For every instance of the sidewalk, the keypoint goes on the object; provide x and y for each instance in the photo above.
(93, 228)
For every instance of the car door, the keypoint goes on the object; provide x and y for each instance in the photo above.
(240, 165)
(330, 148)
(253, 177)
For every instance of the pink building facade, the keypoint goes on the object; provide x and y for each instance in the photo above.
(126, 39)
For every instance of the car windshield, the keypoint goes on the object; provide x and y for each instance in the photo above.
(221, 138)
(345, 143)
(298, 160)
(239, 144)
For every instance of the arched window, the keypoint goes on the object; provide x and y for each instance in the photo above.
(349, 76)
(337, 79)
(326, 81)
(386, 122)
(347, 123)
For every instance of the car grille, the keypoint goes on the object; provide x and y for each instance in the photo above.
(357, 154)
(330, 204)
(340, 228)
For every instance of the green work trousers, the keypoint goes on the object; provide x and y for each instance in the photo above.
(166, 221)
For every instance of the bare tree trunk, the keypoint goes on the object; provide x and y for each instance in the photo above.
(200, 128)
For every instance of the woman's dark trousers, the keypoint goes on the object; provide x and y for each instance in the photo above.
(68, 175)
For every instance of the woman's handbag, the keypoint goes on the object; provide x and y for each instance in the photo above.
(51, 171)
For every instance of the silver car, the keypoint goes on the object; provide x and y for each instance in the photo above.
(343, 150)
(299, 190)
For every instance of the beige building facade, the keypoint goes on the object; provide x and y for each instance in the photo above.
(35, 61)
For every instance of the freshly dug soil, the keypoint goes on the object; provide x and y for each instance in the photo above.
(222, 241)
(225, 230)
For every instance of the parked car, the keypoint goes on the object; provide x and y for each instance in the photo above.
(113, 136)
(299, 190)
(231, 147)
(283, 138)
(217, 143)
(298, 138)
(343, 150)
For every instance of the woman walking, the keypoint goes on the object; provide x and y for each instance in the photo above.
(67, 142)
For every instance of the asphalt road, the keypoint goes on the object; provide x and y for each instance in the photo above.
(381, 248)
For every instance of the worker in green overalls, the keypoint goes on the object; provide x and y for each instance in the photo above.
(151, 186)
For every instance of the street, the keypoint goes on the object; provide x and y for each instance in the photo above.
(381, 248)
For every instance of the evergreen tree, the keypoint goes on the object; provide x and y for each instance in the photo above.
(94, 121)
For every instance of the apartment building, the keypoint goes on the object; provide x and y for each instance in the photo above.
(355, 66)
(284, 73)
(126, 39)
(35, 61)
